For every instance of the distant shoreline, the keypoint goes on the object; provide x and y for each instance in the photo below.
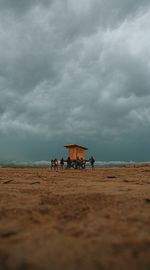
(98, 164)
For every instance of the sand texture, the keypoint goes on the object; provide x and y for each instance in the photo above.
(75, 219)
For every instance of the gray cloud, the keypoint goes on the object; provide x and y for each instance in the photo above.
(20, 7)
(74, 73)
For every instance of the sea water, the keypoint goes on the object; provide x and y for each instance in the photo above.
(46, 163)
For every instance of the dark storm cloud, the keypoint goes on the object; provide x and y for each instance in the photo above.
(21, 6)
(74, 72)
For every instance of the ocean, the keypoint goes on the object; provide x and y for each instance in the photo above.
(45, 163)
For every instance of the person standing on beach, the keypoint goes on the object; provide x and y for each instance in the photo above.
(92, 161)
(52, 163)
(62, 163)
(68, 162)
(56, 163)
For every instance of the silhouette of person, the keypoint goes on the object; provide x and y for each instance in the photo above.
(52, 163)
(92, 161)
(62, 163)
(68, 162)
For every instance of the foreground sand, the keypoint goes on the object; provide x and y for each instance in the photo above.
(70, 219)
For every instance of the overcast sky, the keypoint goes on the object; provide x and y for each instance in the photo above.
(75, 71)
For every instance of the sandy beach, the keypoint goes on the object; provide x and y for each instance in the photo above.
(75, 219)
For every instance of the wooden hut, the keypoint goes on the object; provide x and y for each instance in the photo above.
(76, 151)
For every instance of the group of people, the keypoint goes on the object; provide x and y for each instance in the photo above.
(78, 163)
(55, 163)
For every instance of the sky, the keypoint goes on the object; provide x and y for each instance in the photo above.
(75, 72)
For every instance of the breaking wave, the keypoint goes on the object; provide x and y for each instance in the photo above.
(45, 163)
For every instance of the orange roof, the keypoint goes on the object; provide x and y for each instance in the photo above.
(75, 145)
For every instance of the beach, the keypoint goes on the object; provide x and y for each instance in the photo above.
(75, 219)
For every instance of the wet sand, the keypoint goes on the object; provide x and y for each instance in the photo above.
(75, 219)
